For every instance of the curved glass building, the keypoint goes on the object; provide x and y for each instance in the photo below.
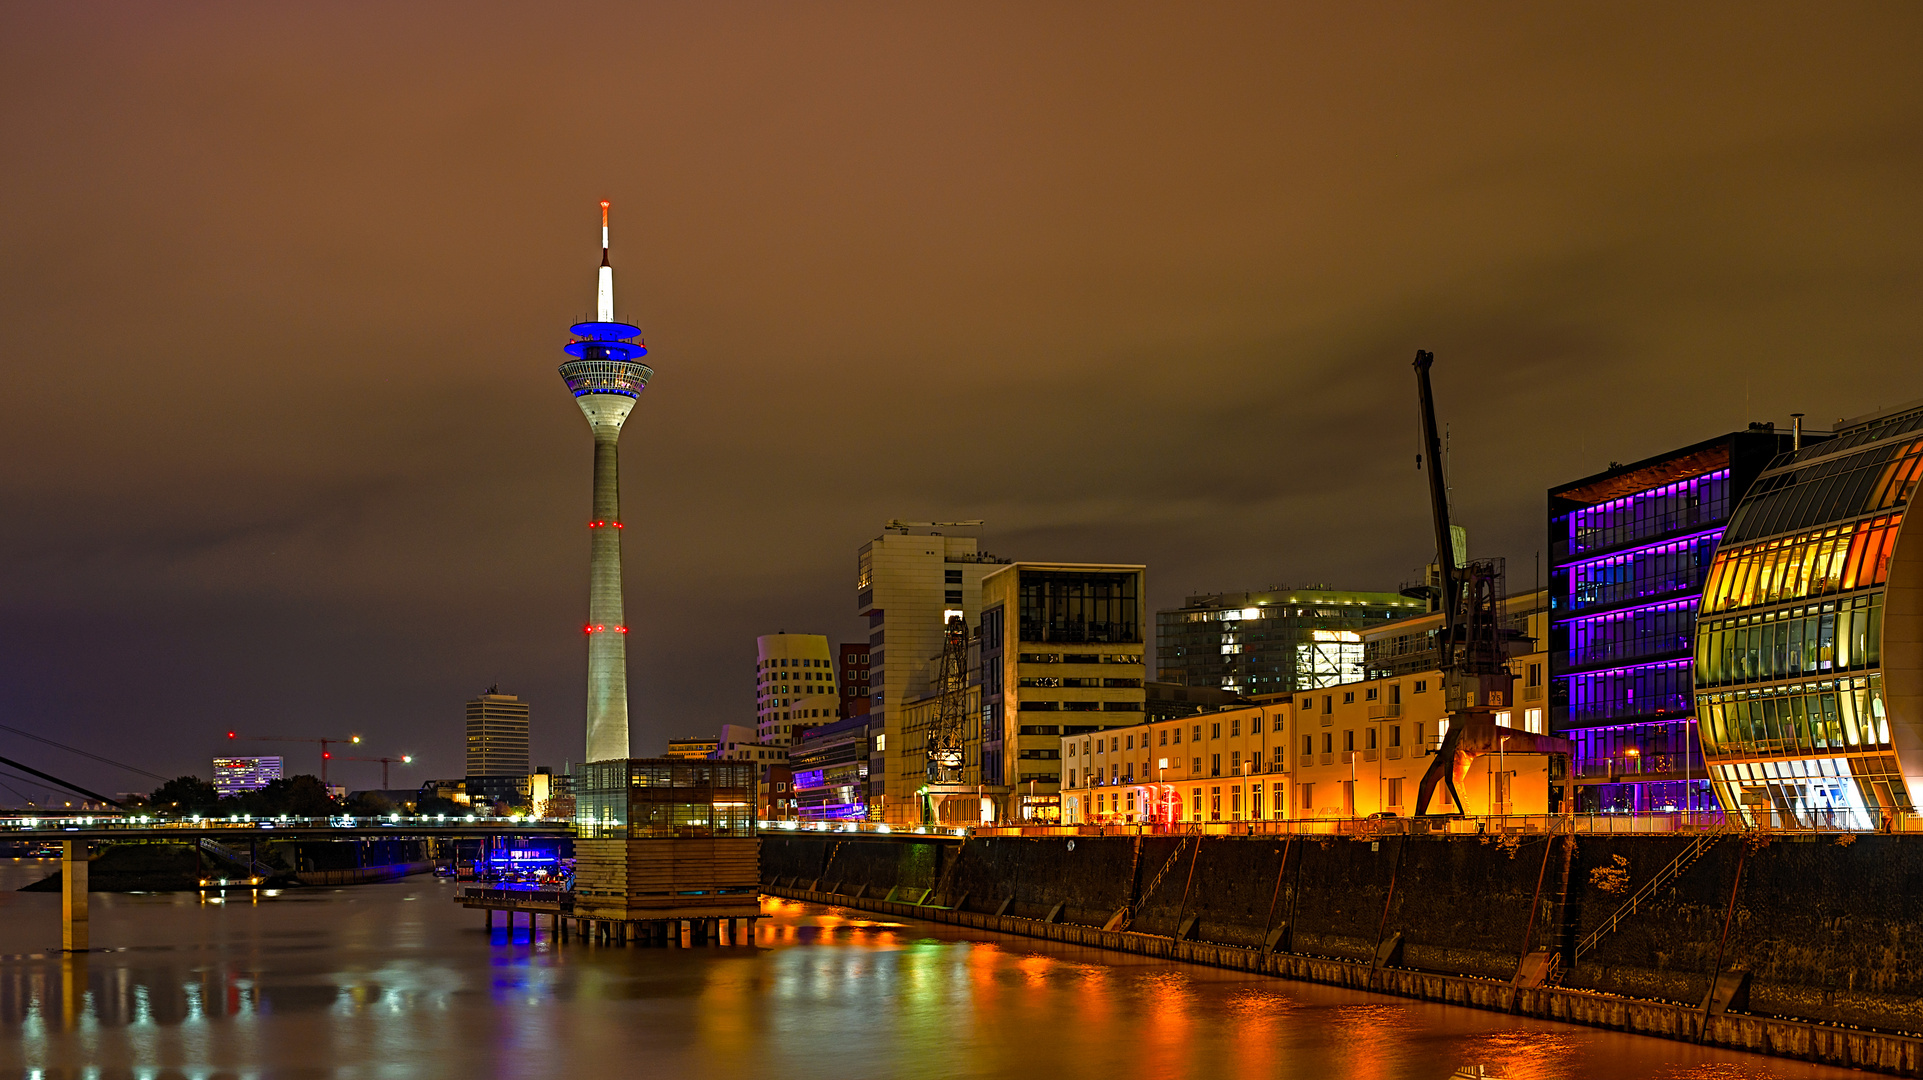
(1809, 641)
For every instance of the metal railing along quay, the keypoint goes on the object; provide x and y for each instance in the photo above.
(1656, 824)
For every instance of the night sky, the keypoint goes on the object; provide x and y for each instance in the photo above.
(283, 289)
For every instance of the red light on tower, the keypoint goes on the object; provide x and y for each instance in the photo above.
(230, 734)
(327, 755)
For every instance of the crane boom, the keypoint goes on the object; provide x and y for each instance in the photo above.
(324, 744)
(1439, 507)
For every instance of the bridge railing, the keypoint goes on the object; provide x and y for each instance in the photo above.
(145, 823)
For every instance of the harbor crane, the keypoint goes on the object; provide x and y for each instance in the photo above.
(1473, 645)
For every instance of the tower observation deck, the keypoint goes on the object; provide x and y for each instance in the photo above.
(605, 375)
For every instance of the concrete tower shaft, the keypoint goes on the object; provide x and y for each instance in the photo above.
(605, 378)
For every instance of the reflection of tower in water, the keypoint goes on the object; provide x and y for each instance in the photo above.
(605, 376)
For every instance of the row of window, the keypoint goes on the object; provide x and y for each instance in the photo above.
(1791, 644)
(1828, 489)
(1079, 658)
(1265, 802)
(1830, 716)
(1081, 706)
(1663, 570)
(1684, 504)
(1645, 691)
(1623, 636)
(1837, 559)
(1044, 682)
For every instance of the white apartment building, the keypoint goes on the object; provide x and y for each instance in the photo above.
(907, 583)
(795, 686)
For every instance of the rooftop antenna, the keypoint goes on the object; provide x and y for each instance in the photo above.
(604, 296)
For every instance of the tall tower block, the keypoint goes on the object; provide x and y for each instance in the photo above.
(605, 376)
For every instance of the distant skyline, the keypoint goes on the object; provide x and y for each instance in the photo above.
(282, 291)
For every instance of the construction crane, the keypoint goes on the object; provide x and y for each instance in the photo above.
(326, 754)
(1472, 648)
(904, 526)
(404, 759)
(951, 707)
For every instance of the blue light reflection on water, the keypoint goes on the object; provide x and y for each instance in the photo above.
(396, 980)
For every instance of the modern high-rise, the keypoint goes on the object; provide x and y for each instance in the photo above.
(795, 686)
(497, 747)
(1809, 644)
(1061, 654)
(1629, 550)
(908, 581)
(1271, 642)
(605, 375)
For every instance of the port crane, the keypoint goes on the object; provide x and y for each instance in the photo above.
(1473, 645)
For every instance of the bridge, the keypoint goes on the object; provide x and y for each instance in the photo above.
(76, 837)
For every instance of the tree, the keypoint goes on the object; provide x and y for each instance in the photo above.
(185, 796)
(370, 804)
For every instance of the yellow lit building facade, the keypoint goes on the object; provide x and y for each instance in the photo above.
(1809, 642)
(1343, 751)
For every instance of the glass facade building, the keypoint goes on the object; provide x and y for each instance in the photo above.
(1274, 642)
(1807, 667)
(664, 798)
(1629, 551)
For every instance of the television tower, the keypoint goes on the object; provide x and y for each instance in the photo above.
(605, 376)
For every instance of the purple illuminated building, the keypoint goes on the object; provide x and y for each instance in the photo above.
(1629, 551)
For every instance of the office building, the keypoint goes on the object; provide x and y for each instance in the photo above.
(795, 686)
(830, 770)
(1342, 751)
(233, 775)
(1061, 654)
(908, 581)
(1809, 644)
(605, 375)
(854, 678)
(1172, 701)
(1219, 767)
(695, 749)
(1629, 549)
(497, 736)
(1271, 642)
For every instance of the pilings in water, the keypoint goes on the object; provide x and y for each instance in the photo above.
(658, 933)
(73, 895)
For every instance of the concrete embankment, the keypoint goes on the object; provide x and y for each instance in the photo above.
(1808, 941)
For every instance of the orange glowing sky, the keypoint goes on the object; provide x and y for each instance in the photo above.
(283, 288)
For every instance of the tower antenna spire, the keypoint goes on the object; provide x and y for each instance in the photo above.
(605, 374)
(604, 294)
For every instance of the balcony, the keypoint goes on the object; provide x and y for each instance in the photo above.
(1395, 753)
(1532, 693)
(1387, 710)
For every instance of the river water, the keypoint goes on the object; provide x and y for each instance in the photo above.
(395, 980)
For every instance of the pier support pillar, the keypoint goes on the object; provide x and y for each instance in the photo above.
(73, 894)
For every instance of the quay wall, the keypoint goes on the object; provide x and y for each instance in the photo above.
(1817, 930)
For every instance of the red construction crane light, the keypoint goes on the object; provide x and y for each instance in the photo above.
(324, 744)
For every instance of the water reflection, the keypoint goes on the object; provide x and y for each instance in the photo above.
(395, 980)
